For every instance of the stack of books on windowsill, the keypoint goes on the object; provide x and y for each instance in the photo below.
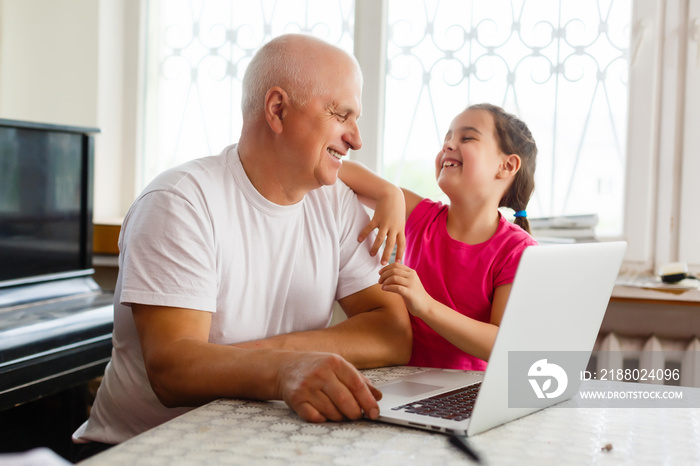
(564, 229)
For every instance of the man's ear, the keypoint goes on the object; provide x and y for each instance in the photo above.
(276, 103)
(510, 166)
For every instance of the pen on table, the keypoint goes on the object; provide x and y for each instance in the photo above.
(460, 441)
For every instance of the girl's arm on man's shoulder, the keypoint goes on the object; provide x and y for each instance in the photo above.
(368, 186)
(387, 200)
(371, 187)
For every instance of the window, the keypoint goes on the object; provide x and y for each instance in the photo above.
(560, 66)
(201, 50)
(605, 87)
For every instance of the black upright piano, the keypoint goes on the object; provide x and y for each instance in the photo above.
(55, 321)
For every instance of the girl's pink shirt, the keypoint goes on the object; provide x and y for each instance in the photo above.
(460, 276)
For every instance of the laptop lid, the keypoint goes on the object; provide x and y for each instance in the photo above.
(557, 303)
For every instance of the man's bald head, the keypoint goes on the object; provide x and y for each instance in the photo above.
(293, 62)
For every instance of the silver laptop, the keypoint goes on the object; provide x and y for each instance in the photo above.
(559, 296)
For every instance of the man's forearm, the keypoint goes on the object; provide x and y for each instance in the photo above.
(372, 338)
(375, 339)
(184, 369)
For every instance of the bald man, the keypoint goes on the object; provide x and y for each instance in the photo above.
(230, 265)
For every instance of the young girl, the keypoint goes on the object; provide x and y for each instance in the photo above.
(460, 258)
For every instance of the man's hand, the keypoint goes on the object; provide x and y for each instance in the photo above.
(402, 280)
(324, 386)
(389, 219)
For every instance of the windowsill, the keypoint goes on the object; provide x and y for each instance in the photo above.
(644, 288)
(637, 313)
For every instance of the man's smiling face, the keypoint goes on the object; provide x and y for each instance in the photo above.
(325, 129)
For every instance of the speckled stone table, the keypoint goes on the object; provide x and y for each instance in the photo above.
(269, 433)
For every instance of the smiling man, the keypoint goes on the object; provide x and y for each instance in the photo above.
(230, 265)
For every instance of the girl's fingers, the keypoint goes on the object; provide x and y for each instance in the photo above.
(398, 289)
(393, 276)
(379, 240)
(388, 249)
(400, 247)
(393, 268)
(366, 231)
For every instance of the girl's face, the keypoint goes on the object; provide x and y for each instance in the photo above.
(470, 158)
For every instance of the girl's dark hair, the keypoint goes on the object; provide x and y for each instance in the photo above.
(514, 137)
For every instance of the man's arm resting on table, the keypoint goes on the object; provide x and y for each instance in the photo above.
(377, 332)
(184, 369)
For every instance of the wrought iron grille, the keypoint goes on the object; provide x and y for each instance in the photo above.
(561, 65)
(203, 48)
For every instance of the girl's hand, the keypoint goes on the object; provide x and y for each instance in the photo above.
(390, 219)
(403, 280)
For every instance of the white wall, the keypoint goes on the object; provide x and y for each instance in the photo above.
(48, 61)
(65, 62)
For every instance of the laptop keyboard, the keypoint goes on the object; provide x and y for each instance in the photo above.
(456, 404)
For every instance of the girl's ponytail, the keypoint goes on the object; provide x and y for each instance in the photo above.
(514, 137)
(522, 221)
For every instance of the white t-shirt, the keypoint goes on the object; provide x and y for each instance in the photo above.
(202, 237)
